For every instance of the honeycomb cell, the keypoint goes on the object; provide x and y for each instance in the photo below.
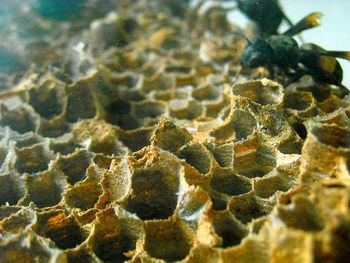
(63, 230)
(73, 166)
(135, 140)
(169, 137)
(239, 125)
(21, 119)
(51, 90)
(11, 190)
(227, 182)
(198, 156)
(84, 194)
(247, 207)
(169, 240)
(53, 128)
(301, 214)
(263, 92)
(19, 222)
(36, 249)
(44, 189)
(228, 229)
(182, 109)
(253, 160)
(114, 234)
(148, 109)
(80, 104)
(32, 159)
(154, 184)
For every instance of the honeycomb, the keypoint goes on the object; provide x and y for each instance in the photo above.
(135, 146)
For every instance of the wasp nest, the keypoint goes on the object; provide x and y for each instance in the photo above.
(134, 146)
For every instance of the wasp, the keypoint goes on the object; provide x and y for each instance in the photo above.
(282, 52)
(266, 14)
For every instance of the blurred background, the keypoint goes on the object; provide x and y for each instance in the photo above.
(333, 34)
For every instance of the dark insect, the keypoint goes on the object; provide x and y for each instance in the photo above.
(266, 14)
(283, 53)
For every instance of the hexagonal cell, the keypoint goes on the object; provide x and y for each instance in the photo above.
(103, 161)
(332, 135)
(53, 128)
(300, 101)
(248, 206)
(332, 104)
(158, 83)
(51, 91)
(301, 214)
(278, 181)
(81, 104)
(228, 228)
(169, 240)
(114, 234)
(74, 165)
(223, 154)
(229, 183)
(98, 136)
(239, 125)
(152, 197)
(185, 109)
(124, 81)
(33, 159)
(198, 156)
(19, 222)
(63, 230)
(264, 92)
(21, 119)
(64, 145)
(217, 109)
(292, 147)
(37, 249)
(85, 194)
(148, 109)
(154, 184)
(253, 160)
(25, 140)
(207, 92)
(126, 59)
(169, 137)
(136, 139)
(11, 190)
(117, 107)
(44, 189)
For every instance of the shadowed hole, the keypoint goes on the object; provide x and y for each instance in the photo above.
(230, 184)
(153, 197)
(197, 156)
(64, 231)
(74, 166)
(332, 135)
